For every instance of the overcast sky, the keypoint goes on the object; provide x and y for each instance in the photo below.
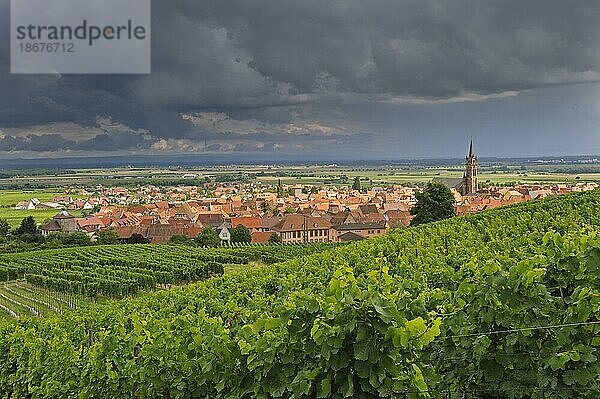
(350, 78)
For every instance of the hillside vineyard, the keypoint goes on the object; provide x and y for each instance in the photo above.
(501, 304)
(120, 270)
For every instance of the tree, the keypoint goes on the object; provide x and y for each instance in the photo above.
(241, 234)
(137, 239)
(356, 185)
(265, 207)
(208, 238)
(107, 237)
(28, 226)
(4, 228)
(28, 231)
(78, 238)
(180, 239)
(434, 203)
(274, 238)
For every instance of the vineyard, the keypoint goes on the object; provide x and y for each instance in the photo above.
(18, 298)
(80, 275)
(500, 304)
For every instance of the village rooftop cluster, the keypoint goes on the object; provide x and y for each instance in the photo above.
(297, 213)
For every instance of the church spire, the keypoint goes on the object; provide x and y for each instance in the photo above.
(471, 154)
(470, 184)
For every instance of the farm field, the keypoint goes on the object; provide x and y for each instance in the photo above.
(86, 275)
(19, 298)
(496, 172)
(499, 304)
(9, 198)
(15, 216)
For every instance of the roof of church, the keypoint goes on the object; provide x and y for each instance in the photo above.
(471, 154)
(449, 182)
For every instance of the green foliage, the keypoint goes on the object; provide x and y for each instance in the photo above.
(356, 184)
(120, 270)
(137, 238)
(107, 237)
(208, 238)
(265, 207)
(274, 238)
(240, 233)
(180, 239)
(4, 228)
(28, 226)
(72, 239)
(500, 304)
(434, 203)
(28, 231)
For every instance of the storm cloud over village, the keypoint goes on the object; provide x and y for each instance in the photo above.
(409, 78)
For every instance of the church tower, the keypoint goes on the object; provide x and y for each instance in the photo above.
(470, 185)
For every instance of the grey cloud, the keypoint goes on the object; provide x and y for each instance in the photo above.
(56, 142)
(274, 61)
(36, 143)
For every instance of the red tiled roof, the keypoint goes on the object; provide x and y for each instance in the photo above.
(260, 237)
(251, 222)
(296, 222)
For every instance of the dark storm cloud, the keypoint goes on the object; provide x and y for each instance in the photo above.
(56, 142)
(46, 142)
(269, 60)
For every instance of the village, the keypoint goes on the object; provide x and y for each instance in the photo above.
(297, 213)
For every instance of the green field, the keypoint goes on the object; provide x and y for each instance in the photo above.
(14, 216)
(498, 172)
(487, 176)
(9, 198)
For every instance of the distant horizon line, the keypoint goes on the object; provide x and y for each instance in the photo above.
(260, 159)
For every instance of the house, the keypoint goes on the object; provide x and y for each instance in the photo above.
(90, 224)
(350, 236)
(224, 232)
(261, 237)
(303, 228)
(22, 205)
(252, 223)
(364, 229)
(33, 204)
(63, 221)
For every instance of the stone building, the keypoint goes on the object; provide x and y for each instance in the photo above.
(470, 184)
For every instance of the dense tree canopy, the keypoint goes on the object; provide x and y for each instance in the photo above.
(274, 238)
(28, 226)
(208, 238)
(241, 234)
(356, 185)
(28, 230)
(4, 228)
(180, 239)
(434, 203)
(107, 237)
(78, 238)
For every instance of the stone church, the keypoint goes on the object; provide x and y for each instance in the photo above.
(469, 181)
(468, 184)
